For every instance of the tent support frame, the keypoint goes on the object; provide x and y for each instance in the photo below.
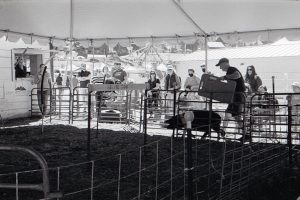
(148, 37)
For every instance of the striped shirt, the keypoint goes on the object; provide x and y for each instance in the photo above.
(100, 79)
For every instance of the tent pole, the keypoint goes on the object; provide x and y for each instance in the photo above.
(92, 43)
(188, 17)
(206, 52)
(156, 52)
(196, 25)
(145, 58)
(146, 62)
(71, 42)
(192, 35)
(6, 31)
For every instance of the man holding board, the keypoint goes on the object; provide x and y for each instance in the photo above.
(236, 107)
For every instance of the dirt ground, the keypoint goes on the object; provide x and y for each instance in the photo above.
(64, 145)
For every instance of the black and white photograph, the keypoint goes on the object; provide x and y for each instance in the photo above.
(149, 100)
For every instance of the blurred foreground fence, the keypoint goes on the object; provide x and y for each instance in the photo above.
(266, 142)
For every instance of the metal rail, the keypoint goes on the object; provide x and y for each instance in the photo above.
(45, 186)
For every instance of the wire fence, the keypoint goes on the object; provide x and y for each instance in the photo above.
(238, 165)
(114, 176)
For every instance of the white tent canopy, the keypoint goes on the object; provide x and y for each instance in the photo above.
(20, 44)
(145, 18)
(264, 51)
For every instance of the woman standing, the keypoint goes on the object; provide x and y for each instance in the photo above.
(253, 79)
(105, 73)
(153, 90)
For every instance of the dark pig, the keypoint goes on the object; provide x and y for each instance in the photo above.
(200, 123)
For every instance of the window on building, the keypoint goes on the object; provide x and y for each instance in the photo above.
(26, 64)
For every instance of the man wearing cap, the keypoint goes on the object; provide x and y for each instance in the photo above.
(172, 82)
(118, 73)
(236, 107)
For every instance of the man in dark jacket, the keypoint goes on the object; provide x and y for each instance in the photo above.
(172, 82)
(235, 108)
(59, 80)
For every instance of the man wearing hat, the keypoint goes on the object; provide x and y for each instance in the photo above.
(118, 73)
(236, 107)
(172, 82)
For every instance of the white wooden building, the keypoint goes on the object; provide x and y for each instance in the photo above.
(15, 92)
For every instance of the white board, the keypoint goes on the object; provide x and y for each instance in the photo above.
(114, 87)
